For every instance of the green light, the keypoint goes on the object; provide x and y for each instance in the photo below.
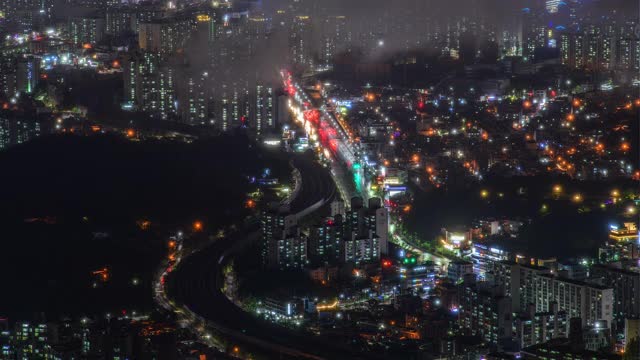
(357, 179)
(356, 166)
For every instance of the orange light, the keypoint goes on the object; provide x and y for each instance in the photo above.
(197, 226)
(250, 204)
(236, 349)
(415, 158)
(131, 133)
(430, 170)
(571, 117)
(103, 274)
(526, 104)
(115, 63)
(576, 102)
(86, 46)
(407, 208)
(485, 136)
(625, 146)
(172, 244)
(637, 102)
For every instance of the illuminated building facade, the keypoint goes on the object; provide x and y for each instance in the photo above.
(86, 30)
(27, 74)
(166, 35)
(119, 21)
(150, 84)
(457, 271)
(361, 249)
(627, 233)
(193, 96)
(483, 256)
(301, 41)
(626, 290)
(484, 312)
(517, 281)
(532, 328)
(291, 252)
(589, 302)
(373, 219)
(418, 276)
(336, 37)
(17, 130)
(552, 5)
(358, 235)
(262, 112)
(325, 241)
(534, 32)
(603, 46)
(283, 245)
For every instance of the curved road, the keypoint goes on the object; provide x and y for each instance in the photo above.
(198, 281)
(317, 186)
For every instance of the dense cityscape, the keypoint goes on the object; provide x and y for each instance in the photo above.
(320, 179)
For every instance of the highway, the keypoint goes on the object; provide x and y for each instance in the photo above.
(316, 189)
(196, 283)
(323, 128)
(192, 289)
(333, 138)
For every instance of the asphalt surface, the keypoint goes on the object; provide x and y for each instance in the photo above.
(317, 184)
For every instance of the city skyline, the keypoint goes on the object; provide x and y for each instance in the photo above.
(307, 179)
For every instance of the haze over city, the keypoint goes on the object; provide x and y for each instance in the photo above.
(320, 179)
